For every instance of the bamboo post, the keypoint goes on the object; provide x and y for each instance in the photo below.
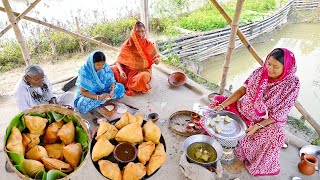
(239, 33)
(75, 35)
(253, 52)
(232, 39)
(17, 32)
(52, 45)
(20, 16)
(78, 31)
(144, 15)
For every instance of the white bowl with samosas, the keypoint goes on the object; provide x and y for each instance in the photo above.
(46, 142)
(130, 131)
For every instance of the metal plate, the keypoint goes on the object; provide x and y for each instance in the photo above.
(229, 130)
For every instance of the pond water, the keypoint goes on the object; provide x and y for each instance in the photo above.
(303, 40)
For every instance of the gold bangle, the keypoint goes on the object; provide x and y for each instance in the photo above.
(97, 97)
(221, 106)
(262, 126)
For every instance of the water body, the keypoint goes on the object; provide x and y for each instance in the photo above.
(303, 40)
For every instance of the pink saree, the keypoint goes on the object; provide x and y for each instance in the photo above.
(266, 99)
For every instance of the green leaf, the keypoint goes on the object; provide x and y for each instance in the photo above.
(43, 115)
(16, 121)
(57, 117)
(50, 117)
(82, 137)
(55, 174)
(18, 167)
(41, 175)
(16, 157)
(66, 119)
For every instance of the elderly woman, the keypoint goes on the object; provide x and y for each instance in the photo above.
(134, 62)
(96, 84)
(264, 102)
(35, 89)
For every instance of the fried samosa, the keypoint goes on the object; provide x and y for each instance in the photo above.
(31, 167)
(102, 148)
(157, 159)
(30, 140)
(151, 132)
(67, 133)
(145, 151)
(55, 151)
(134, 171)
(128, 118)
(36, 153)
(106, 129)
(50, 163)
(50, 135)
(35, 124)
(130, 133)
(110, 170)
(72, 154)
(14, 142)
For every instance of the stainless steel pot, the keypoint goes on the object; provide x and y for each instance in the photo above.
(205, 139)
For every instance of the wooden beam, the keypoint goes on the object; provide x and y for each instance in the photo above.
(78, 31)
(253, 52)
(25, 12)
(232, 39)
(17, 32)
(75, 35)
(144, 15)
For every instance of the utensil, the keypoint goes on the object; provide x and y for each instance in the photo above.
(204, 139)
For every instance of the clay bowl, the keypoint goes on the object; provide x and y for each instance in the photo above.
(125, 152)
(177, 79)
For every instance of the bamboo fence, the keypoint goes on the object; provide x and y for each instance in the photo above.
(203, 46)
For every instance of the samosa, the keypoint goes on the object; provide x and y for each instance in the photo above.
(157, 159)
(102, 148)
(50, 135)
(50, 163)
(14, 142)
(31, 167)
(151, 132)
(67, 133)
(55, 151)
(110, 170)
(35, 124)
(36, 153)
(128, 118)
(106, 129)
(30, 140)
(72, 154)
(130, 133)
(145, 150)
(134, 171)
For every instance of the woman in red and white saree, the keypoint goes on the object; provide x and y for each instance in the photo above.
(134, 62)
(264, 103)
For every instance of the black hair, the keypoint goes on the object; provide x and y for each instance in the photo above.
(278, 54)
(98, 57)
(140, 24)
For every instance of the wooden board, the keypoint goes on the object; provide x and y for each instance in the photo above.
(113, 115)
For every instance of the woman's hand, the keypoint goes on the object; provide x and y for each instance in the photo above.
(252, 130)
(123, 75)
(104, 96)
(156, 60)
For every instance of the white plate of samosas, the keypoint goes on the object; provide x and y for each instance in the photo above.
(145, 136)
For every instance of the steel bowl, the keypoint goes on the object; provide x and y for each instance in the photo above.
(204, 139)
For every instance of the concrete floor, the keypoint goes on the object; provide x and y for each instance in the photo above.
(180, 98)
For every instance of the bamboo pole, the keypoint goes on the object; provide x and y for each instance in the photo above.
(232, 39)
(253, 52)
(6, 29)
(52, 45)
(144, 15)
(78, 31)
(17, 32)
(75, 35)
(239, 33)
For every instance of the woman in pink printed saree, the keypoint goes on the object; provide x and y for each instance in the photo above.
(264, 102)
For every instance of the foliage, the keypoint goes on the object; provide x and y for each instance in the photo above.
(170, 8)
(316, 141)
(10, 56)
(113, 32)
